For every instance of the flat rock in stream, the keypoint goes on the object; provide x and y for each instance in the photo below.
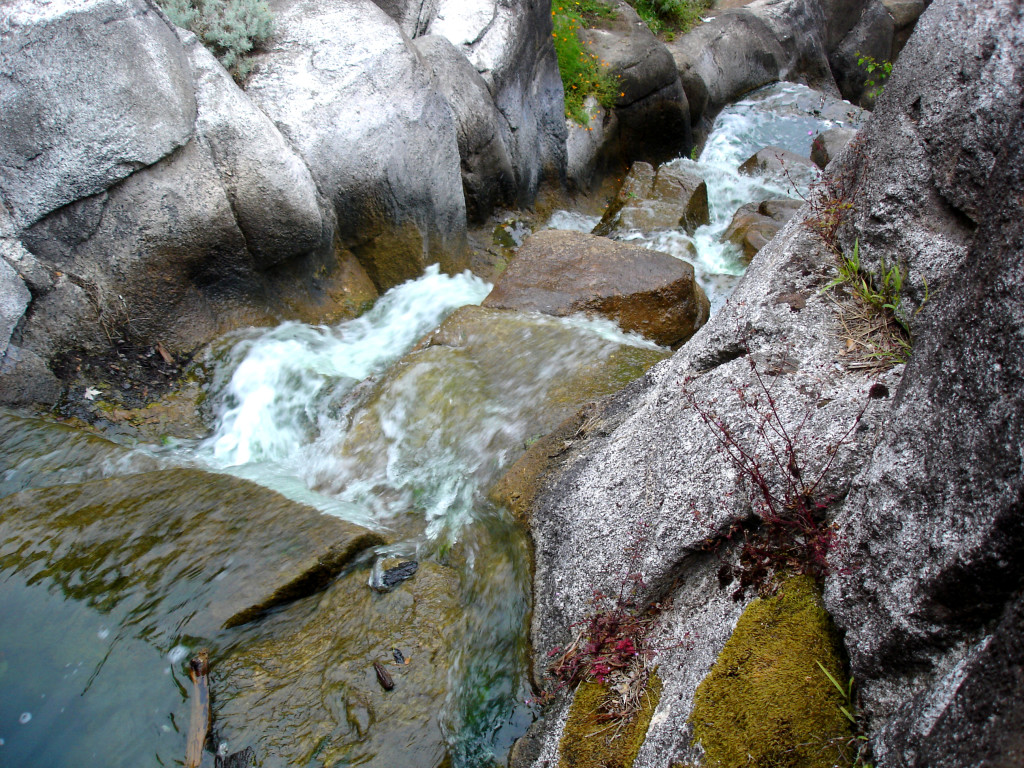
(562, 273)
(185, 552)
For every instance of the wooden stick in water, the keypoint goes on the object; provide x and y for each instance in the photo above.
(199, 725)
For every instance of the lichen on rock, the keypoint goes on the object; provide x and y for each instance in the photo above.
(766, 702)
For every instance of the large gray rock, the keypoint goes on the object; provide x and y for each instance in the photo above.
(14, 296)
(926, 484)
(488, 178)
(349, 91)
(652, 111)
(272, 194)
(509, 43)
(720, 60)
(934, 520)
(93, 91)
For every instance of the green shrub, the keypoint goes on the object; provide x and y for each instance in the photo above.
(229, 28)
(670, 16)
(583, 73)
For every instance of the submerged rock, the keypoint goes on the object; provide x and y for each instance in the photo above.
(664, 198)
(483, 384)
(561, 273)
(303, 686)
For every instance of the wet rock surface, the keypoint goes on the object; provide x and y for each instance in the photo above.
(829, 144)
(755, 224)
(156, 541)
(560, 273)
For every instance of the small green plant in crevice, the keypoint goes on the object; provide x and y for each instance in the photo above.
(878, 72)
(583, 73)
(848, 706)
(875, 322)
(231, 29)
(670, 17)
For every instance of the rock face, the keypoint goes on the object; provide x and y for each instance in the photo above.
(348, 91)
(273, 196)
(488, 178)
(733, 53)
(666, 197)
(560, 273)
(652, 112)
(73, 119)
(509, 44)
(924, 473)
(872, 36)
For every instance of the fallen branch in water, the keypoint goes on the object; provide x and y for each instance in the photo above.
(199, 724)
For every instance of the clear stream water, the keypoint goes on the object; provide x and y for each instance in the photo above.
(322, 415)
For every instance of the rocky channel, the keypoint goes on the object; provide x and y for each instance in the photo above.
(456, 433)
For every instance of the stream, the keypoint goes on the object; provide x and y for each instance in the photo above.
(370, 424)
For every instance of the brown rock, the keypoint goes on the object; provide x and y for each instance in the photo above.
(560, 273)
(662, 198)
(754, 224)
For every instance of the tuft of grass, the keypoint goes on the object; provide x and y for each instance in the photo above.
(231, 29)
(875, 322)
(583, 73)
(670, 17)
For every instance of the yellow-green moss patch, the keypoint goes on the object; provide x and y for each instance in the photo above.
(766, 702)
(588, 742)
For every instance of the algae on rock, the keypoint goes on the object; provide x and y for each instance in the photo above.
(766, 702)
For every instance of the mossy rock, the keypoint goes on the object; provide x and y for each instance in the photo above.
(590, 743)
(766, 702)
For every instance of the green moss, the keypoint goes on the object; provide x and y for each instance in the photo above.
(766, 701)
(590, 743)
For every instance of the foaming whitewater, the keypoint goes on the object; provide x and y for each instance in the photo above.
(268, 387)
(784, 115)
